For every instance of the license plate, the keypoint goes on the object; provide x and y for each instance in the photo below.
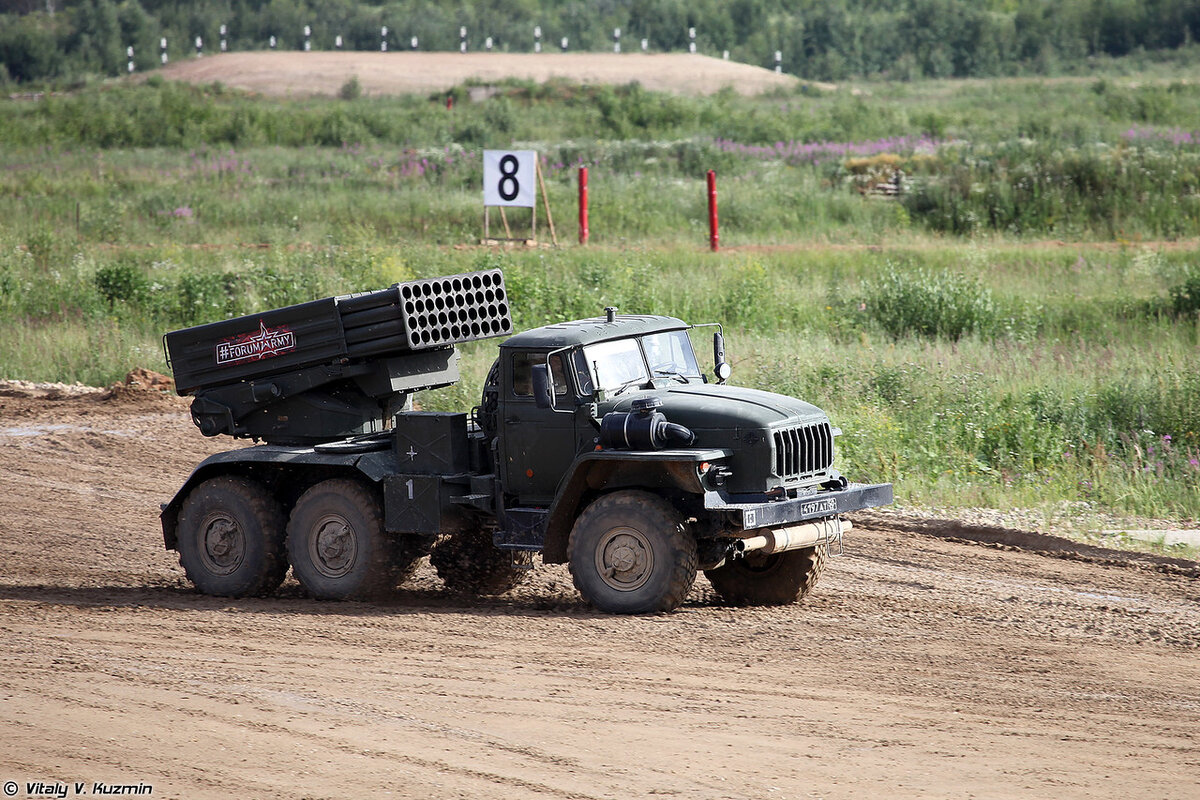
(817, 508)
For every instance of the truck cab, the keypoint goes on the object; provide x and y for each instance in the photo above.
(589, 364)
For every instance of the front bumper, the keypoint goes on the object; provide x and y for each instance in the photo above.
(747, 516)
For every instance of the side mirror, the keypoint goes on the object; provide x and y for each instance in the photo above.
(721, 369)
(543, 391)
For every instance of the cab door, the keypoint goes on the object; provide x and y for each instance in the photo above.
(537, 445)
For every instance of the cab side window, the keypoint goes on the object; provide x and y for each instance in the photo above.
(522, 373)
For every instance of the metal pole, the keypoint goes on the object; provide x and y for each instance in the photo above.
(583, 206)
(713, 237)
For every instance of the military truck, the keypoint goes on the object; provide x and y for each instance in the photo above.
(599, 443)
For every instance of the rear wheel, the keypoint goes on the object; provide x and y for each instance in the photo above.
(468, 563)
(336, 542)
(631, 552)
(769, 580)
(230, 538)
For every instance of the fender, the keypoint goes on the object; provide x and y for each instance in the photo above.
(269, 463)
(604, 470)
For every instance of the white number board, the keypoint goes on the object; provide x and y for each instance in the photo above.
(508, 178)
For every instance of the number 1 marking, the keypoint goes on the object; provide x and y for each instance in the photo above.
(409, 484)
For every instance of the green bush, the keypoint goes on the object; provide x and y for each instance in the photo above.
(41, 244)
(1185, 295)
(920, 302)
(121, 282)
(351, 89)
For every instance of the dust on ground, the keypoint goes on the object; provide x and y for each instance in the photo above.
(935, 659)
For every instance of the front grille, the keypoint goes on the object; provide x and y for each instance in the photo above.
(803, 451)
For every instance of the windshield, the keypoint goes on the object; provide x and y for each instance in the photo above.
(616, 364)
(670, 354)
(627, 362)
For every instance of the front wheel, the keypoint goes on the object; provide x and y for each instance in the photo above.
(769, 580)
(631, 552)
(337, 544)
(230, 538)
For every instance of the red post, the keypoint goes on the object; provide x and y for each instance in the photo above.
(583, 209)
(713, 237)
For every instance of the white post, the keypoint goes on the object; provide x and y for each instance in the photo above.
(487, 44)
(778, 63)
(224, 43)
(307, 38)
(414, 43)
(616, 40)
(692, 37)
(645, 45)
(162, 50)
(537, 38)
(271, 42)
(462, 39)
(337, 41)
(383, 39)
(564, 44)
(199, 47)
(129, 54)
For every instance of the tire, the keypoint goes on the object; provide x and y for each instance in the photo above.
(230, 538)
(769, 580)
(630, 552)
(337, 545)
(468, 563)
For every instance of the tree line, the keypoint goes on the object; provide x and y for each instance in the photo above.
(49, 40)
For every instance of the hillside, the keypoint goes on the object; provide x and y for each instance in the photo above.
(323, 73)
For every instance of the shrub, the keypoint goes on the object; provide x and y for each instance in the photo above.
(1185, 296)
(121, 282)
(923, 303)
(41, 244)
(351, 89)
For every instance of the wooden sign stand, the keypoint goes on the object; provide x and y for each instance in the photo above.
(508, 237)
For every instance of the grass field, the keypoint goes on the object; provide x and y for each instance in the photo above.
(1020, 329)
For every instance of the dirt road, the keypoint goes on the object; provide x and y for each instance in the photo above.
(922, 666)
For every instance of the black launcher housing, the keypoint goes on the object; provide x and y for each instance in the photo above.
(334, 368)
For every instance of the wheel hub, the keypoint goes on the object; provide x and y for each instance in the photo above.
(334, 547)
(224, 545)
(624, 559)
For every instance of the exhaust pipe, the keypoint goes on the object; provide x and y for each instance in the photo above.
(795, 537)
